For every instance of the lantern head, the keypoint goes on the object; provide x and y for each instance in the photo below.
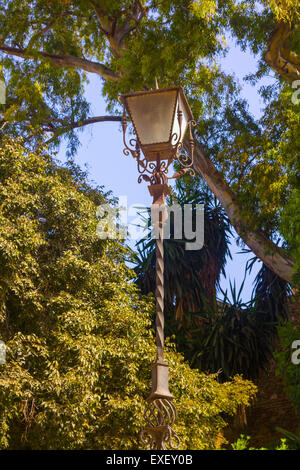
(160, 119)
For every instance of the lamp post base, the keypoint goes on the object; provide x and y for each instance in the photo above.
(160, 413)
(158, 434)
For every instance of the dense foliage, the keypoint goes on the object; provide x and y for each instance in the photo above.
(289, 371)
(230, 335)
(48, 48)
(51, 258)
(242, 443)
(78, 334)
(227, 334)
(191, 276)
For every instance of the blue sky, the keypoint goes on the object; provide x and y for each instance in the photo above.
(102, 146)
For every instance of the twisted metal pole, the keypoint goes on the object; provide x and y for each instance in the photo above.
(160, 413)
(159, 291)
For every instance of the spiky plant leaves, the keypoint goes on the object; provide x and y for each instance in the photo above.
(190, 275)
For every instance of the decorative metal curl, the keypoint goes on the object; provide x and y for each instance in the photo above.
(152, 172)
(158, 434)
(174, 140)
(156, 172)
(134, 145)
(186, 161)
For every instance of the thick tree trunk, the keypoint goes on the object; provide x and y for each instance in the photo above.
(273, 256)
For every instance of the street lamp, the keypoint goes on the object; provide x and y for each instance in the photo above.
(160, 120)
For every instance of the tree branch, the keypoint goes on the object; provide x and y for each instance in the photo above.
(106, 23)
(65, 61)
(115, 30)
(279, 57)
(67, 126)
(273, 256)
(130, 24)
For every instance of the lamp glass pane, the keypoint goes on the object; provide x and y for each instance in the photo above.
(185, 119)
(152, 115)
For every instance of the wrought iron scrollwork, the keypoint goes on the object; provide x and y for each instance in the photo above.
(157, 172)
(186, 161)
(152, 172)
(160, 415)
